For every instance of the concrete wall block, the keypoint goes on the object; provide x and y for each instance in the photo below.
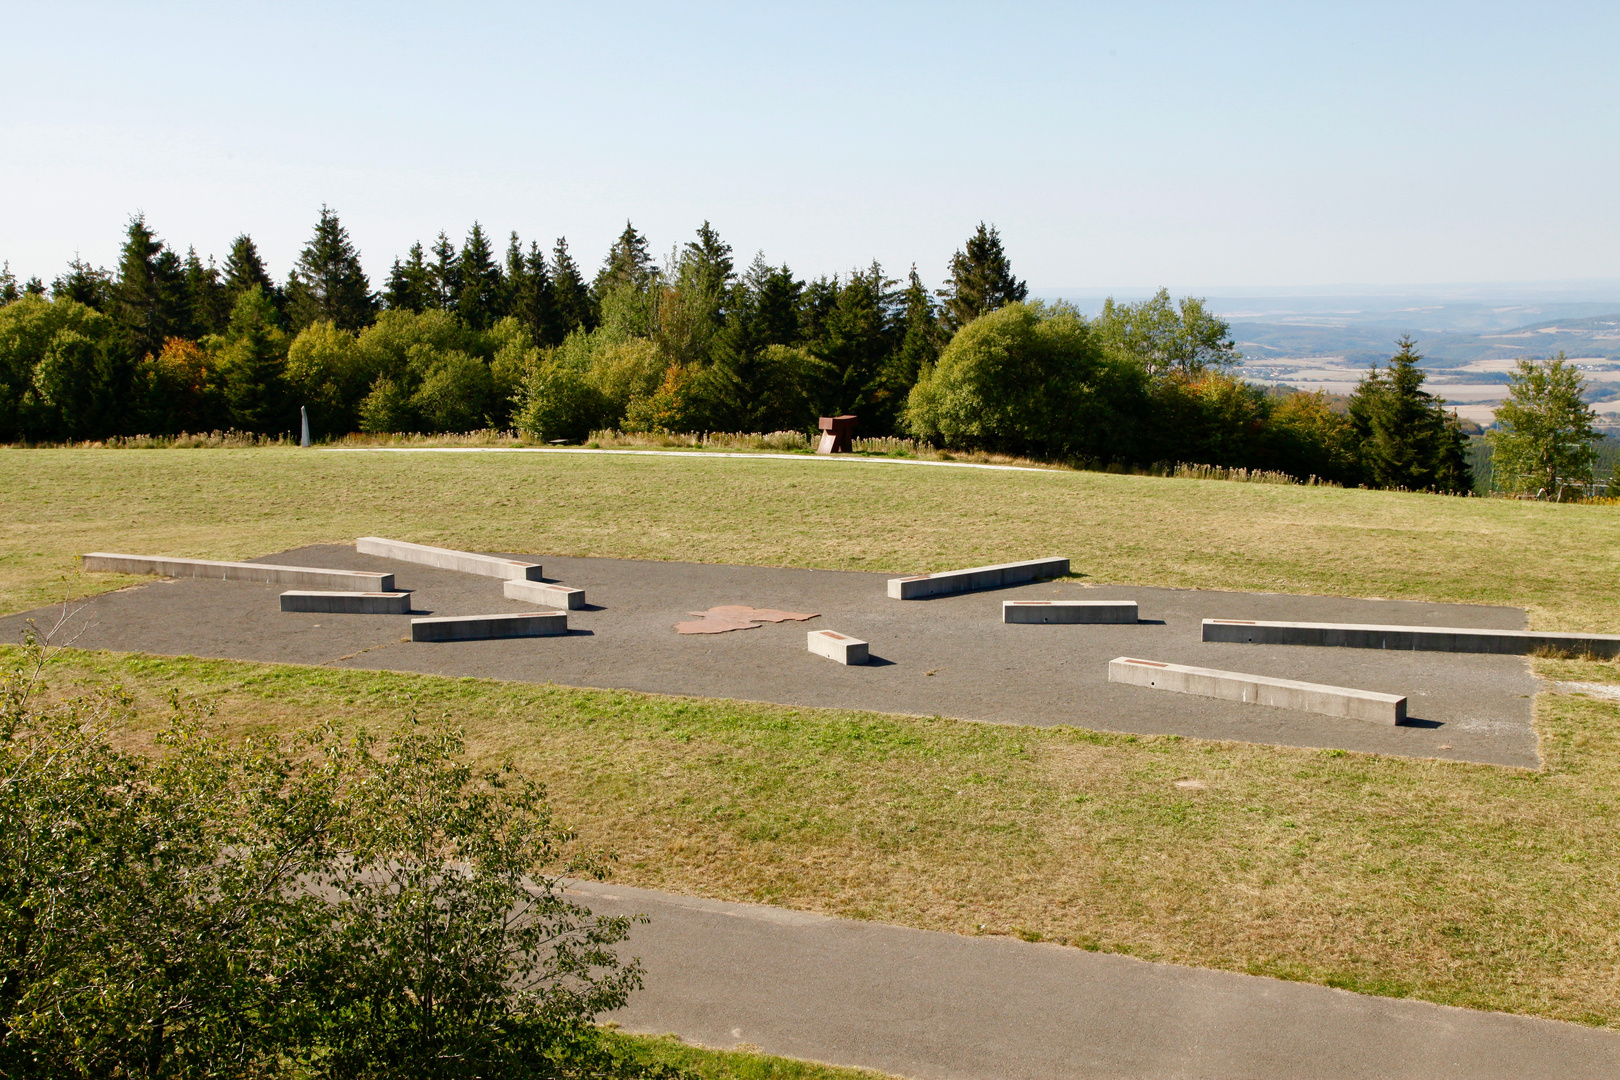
(485, 627)
(539, 592)
(1339, 701)
(467, 562)
(839, 647)
(348, 603)
(1407, 638)
(1068, 611)
(974, 578)
(309, 577)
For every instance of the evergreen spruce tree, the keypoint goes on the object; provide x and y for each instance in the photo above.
(253, 364)
(244, 269)
(89, 285)
(479, 300)
(410, 284)
(34, 286)
(776, 297)
(629, 262)
(570, 298)
(9, 292)
(922, 340)
(207, 298)
(148, 301)
(328, 283)
(532, 298)
(981, 280)
(446, 274)
(857, 339)
(1405, 438)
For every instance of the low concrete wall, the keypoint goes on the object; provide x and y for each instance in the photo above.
(839, 647)
(467, 562)
(484, 627)
(1408, 638)
(104, 562)
(348, 603)
(552, 596)
(1068, 611)
(974, 578)
(1260, 690)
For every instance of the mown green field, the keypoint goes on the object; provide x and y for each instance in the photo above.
(1465, 884)
(1560, 561)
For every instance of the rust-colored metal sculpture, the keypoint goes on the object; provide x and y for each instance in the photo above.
(718, 620)
(837, 434)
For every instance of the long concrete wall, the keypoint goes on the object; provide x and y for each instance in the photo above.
(467, 562)
(546, 595)
(1408, 638)
(485, 627)
(1338, 701)
(975, 577)
(1068, 611)
(105, 562)
(348, 603)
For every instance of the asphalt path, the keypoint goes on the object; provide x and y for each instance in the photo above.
(948, 656)
(932, 1005)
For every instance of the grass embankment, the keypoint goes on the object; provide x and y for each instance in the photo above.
(1464, 884)
(1560, 561)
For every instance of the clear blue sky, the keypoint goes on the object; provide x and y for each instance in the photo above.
(1115, 145)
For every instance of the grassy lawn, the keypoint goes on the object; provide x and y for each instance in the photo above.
(738, 1064)
(1464, 884)
(1560, 561)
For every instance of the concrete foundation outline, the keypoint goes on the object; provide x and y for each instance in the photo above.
(467, 562)
(973, 578)
(1408, 638)
(105, 562)
(1374, 708)
(348, 603)
(1068, 611)
(487, 627)
(546, 595)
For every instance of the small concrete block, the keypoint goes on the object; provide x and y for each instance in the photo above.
(348, 603)
(467, 562)
(1337, 701)
(1068, 611)
(839, 647)
(309, 577)
(538, 592)
(484, 627)
(975, 577)
(1408, 638)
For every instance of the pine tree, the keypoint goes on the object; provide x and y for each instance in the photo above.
(148, 301)
(410, 284)
(629, 262)
(570, 297)
(328, 284)
(478, 301)
(208, 300)
(981, 280)
(89, 285)
(1405, 437)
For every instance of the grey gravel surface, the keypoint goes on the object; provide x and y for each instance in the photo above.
(932, 1005)
(949, 656)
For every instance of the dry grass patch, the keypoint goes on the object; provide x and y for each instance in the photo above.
(1458, 883)
(858, 515)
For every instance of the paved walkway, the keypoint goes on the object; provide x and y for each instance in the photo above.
(949, 656)
(695, 455)
(931, 1005)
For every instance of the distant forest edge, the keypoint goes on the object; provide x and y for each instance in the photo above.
(458, 340)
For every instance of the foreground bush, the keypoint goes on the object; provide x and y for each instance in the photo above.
(317, 906)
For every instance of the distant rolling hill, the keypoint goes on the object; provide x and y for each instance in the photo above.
(1596, 336)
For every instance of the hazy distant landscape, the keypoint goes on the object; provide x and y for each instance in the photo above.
(1470, 336)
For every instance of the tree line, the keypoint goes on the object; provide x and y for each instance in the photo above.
(466, 338)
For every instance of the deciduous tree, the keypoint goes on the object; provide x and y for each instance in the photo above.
(1546, 431)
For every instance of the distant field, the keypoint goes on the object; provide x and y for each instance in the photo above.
(1559, 561)
(1464, 884)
